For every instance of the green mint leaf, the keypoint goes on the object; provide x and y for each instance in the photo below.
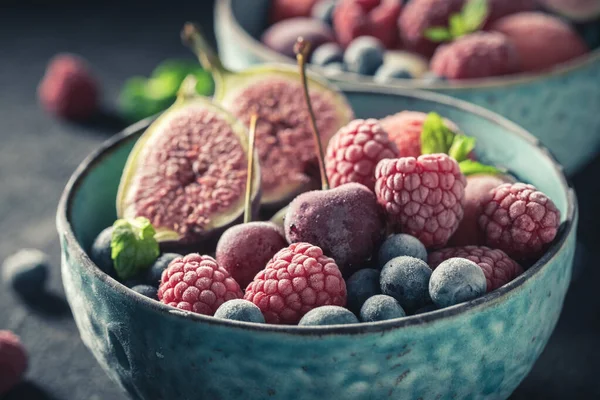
(461, 147)
(470, 167)
(133, 246)
(438, 34)
(474, 13)
(436, 136)
(457, 26)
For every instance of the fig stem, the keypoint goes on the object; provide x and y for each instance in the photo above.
(192, 37)
(187, 90)
(250, 177)
(301, 48)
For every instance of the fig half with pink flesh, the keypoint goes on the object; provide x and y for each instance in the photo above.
(187, 174)
(283, 136)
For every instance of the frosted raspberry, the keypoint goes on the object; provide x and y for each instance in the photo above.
(296, 280)
(405, 128)
(422, 196)
(497, 266)
(377, 18)
(13, 360)
(285, 9)
(519, 219)
(478, 55)
(197, 283)
(355, 150)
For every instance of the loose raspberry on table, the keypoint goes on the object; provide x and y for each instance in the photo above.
(13, 360)
(355, 150)
(298, 279)
(519, 219)
(422, 196)
(497, 266)
(197, 283)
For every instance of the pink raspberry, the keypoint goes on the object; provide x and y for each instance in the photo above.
(296, 280)
(285, 9)
(355, 150)
(68, 88)
(478, 55)
(519, 219)
(422, 196)
(197, 283)
(377, 18)
(497, 266)
(13, 360)
(405, 128)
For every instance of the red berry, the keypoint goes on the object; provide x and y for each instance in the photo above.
(68, 89)
(13, 360)
(496, 265)
(478, 55)
(377, 18)
(422, 196)
(296, 280)
(197, 283)
(501, 8)
(404, 129)
(284, 9)
(519, 219)
(542, 41)
(355, 150)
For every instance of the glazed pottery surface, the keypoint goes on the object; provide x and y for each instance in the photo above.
(558, 107)
(477, 350)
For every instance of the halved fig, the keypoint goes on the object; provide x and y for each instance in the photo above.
(283, 137)
(187, 173)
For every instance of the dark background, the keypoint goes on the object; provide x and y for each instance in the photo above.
(38, 153)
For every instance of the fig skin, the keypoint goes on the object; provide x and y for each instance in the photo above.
(346, 222)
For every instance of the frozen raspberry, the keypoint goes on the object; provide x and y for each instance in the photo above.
(497, 266)
(542, 41)
(68, 89)
(285, 9)
(478, 55)
(197, 283)
(355, 150)
(377, 18)
(404, 129)
(13, 360)
(422, 196)
(298, 279)
(519, 219)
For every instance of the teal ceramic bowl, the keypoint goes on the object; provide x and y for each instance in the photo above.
(481, 349)
(557, 106)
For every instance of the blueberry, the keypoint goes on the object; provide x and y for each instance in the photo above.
(380, 308)
(146, 290)
(364, 55)
(427, 308)
(398, 245)
(327, 53)
(240, 310)
(406, 279)
(456, 280)
(360, 286)
(323, 11)
(26, 271)
(133, 282)
(328, 315)
(154, 273)
(387, 72)
(100, 253)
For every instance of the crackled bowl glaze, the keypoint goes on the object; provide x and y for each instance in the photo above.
(558, 107)
(477, 350)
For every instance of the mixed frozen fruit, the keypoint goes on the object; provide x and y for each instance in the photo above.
(373, 243)
(439, 39)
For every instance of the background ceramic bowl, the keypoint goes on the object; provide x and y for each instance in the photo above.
(477, 350)
(558, 107)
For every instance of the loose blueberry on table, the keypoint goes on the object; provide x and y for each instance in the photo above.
(371, 245)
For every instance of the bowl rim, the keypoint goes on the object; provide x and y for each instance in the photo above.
(74, 248)
(223, 12)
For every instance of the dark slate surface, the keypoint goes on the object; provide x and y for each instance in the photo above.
(38, 153)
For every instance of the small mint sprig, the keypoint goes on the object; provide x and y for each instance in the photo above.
(438, 138)
(133, 246)
(470, 19)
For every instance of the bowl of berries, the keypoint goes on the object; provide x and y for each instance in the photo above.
(511, 57)
(288, 245)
